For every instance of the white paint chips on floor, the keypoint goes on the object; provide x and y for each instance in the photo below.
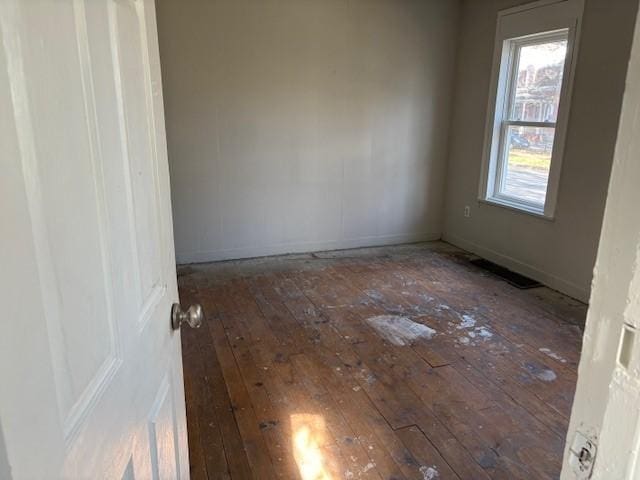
(368, 467)
(546, 375)
(472, 332)
(429, 473)
(540, 372)
(400, 331)
(484, 332)
(467, 322)
(365, 469)
(549, 353)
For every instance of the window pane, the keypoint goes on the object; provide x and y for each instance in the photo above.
(538, 81)
(526, 169)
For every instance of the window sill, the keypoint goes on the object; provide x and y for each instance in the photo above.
(516, 207)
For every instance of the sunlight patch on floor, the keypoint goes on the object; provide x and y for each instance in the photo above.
(308, 432)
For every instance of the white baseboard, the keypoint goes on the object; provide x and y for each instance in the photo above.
(304, 247)
(565, 286)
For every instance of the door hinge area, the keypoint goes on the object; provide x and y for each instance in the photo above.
(583, 455)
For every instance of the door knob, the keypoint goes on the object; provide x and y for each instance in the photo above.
(192, 316)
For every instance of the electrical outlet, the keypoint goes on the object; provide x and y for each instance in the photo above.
(467, 211)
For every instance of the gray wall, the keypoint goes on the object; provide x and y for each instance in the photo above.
(5, 468)
(561, 253)
(296, 125)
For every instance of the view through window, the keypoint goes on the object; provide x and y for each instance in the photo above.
(533, 108)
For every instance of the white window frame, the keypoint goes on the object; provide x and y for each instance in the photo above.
(544, 19)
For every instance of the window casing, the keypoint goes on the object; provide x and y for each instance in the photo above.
(528, 108)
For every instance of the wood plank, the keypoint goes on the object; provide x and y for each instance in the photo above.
(429, 462)
(194, 400)
(223, 413)
(252, 439)
(370, 428)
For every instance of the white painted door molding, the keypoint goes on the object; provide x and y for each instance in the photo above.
(606, 409)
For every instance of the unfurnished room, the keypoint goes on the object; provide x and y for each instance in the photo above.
(320, 239)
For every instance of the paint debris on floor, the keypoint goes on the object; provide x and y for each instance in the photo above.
(552, 354)
(429, 473)
(388, 363)
(400, 331)
(540, 372)
(467, 321)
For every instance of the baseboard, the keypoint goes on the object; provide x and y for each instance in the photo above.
(304, 247)
(546, 278)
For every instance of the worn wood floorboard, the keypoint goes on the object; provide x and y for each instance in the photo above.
(291, 378)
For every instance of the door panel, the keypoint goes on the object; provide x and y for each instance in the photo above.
(85, 195)
(128, 41)
(162, 434)
(63, 205)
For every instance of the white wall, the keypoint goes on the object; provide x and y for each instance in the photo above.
(296, 125)
(560, 253)
(607, 402)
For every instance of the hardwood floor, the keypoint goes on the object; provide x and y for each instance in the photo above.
(319, 367)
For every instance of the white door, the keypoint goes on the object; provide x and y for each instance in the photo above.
(90, 369)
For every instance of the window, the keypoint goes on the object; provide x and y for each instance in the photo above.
(528, 110)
